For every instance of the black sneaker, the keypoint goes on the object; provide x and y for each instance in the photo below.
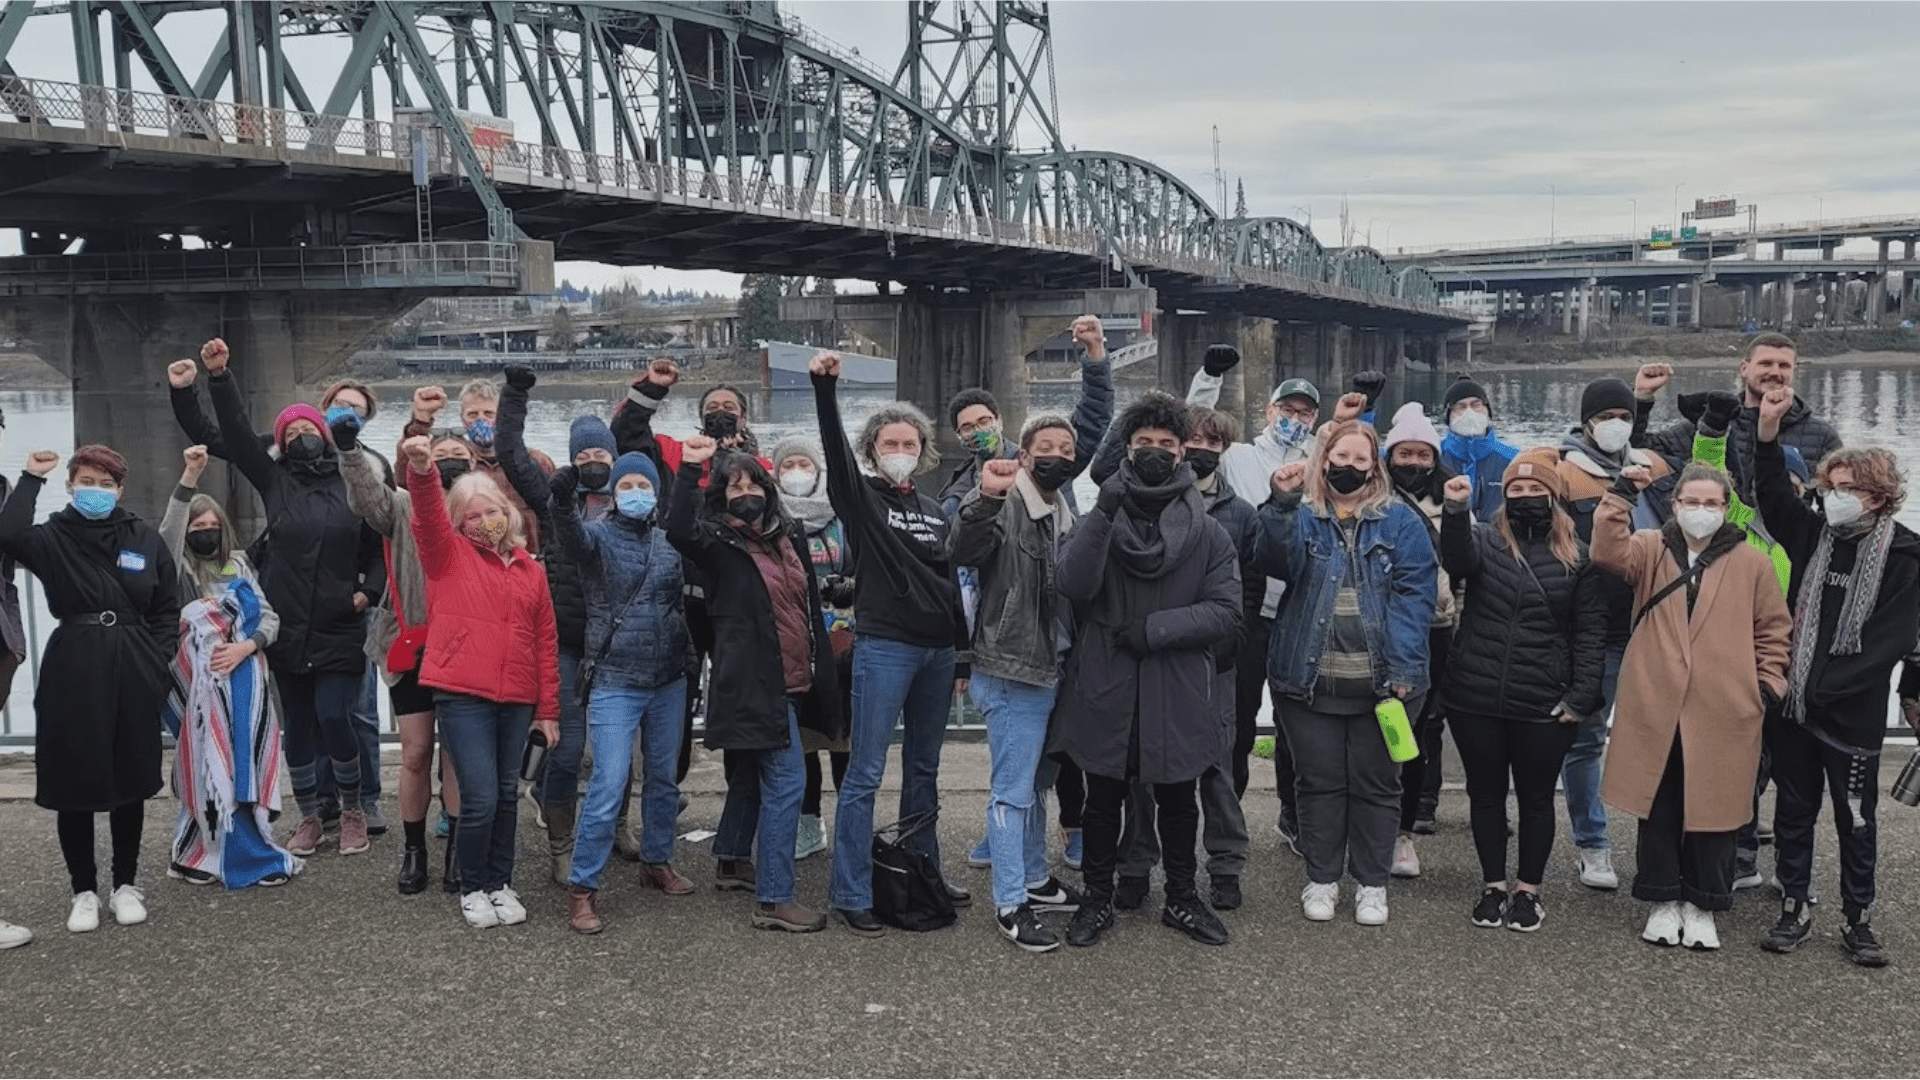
(1024, 928)
(1424, 826)
(1195, 919)
(1525, 912)
(1088, 924)
(1131, 894)
(959, 896)
(1225, 895)
(1491, 912)
(190, 875)
(1865, 949)
(1054, 896)
(1794, 927)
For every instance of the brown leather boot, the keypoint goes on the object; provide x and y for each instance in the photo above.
(560, 823)
(664, 877)
(582, 916)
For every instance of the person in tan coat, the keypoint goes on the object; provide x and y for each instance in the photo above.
(1707, 659)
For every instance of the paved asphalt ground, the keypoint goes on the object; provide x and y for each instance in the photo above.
(337, 974)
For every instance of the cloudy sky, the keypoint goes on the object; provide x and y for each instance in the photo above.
(1444, 123)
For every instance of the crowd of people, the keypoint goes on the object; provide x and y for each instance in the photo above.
(1661, 621)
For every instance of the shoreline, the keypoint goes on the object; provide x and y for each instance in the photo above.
(1873, 358)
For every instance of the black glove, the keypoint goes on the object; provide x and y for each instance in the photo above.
(1693, 406)
(1369, 383)
(520, 377)
(1220, 359)
(837, 591)
(1111, 492)
(562, 483)
(1133, 640)
(346, 432)
(1720, 408)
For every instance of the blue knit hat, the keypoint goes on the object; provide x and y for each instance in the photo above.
(589, 433)
(634, 461)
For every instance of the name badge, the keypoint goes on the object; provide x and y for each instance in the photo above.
(132, 561)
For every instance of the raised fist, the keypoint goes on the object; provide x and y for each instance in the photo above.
(427, 403)
(1459, 489)
(1349, 407)
(346, 431)
(1369, 384)
(1638, 475)
(698, 448)
(996, 476)
(1220, 359)
(1090, 335)
(1773, 408)
(214, 354)
(41, 462)
(562, 483)
(663, 372)
(196, 459)
(521, 377)
(1651, 380)
(419, 451)
(181, 373)
(825, 363)
(1288, 479)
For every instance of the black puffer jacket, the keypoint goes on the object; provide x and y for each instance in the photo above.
(1526, 642)
(1800, 429)
(530, 483)
(1235, 515)
(316, 551)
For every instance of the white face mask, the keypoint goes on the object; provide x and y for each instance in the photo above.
(1843, 508)
(1612, 435)
(1470, 424)
(1699, 522)
(898, 467)
(798, 482)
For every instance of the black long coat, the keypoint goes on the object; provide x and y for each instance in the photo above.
(97, 709)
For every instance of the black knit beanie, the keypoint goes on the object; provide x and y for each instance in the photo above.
(1463, 388)
(1603, 394)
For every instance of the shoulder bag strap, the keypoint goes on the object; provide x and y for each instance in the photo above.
(1691, 574)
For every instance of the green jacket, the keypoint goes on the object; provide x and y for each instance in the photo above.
(1712, 450)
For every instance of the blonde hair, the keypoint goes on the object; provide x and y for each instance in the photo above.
(1374, 495)
(1561, 538)
(479, 485)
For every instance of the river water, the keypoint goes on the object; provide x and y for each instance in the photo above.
(1870, 401)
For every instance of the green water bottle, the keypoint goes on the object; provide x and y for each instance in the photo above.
(1398, 732)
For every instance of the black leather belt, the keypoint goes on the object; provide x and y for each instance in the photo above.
(100, 618)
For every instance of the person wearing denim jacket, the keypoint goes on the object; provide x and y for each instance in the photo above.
(1345, 534)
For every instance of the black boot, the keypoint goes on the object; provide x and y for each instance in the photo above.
(413, 870)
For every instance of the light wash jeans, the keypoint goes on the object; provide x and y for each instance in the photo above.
(614, 715)
(485, 739)
(763, 796)
(1016, 715)
(893, 683)
(1580, 773)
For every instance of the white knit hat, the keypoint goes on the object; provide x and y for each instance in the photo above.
(1410, 424)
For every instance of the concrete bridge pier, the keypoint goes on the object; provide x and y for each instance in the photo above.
(286, 347)
(1876, 298)
(1184, 337)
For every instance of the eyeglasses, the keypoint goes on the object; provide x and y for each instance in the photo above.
(1700, 504)
(1297, 412)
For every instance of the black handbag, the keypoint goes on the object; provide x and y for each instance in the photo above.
(907, 890)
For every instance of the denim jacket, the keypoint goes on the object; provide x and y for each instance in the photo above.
(1398, 577)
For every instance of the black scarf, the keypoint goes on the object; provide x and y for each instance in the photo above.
(1173, 512)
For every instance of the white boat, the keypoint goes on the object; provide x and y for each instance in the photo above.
(785, 367)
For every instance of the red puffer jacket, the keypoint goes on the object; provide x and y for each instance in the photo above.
(490, 629)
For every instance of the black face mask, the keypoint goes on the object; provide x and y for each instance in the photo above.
(1153, 465)
(593, 476)
(719, 425)
(748, 508)
(204, 542)
(1412, 479)
(1205, 462)
(451, 469)
(1530, 515)
(1346, 479)
(305, 447)
(1050, 473)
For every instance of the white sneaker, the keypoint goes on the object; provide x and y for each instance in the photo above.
(1596, 868)
(1406, 861)
(1370, 905)
(1749, 881)
(128, 904)
(1697, 929)
(507, 906)
(12, 936)
(478, 910)
(1663, 925)
(1317, 900)
(85, 916)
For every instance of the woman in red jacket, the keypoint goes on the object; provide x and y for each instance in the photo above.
(492, 661)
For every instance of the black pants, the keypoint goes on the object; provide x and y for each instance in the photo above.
(810, 797)
(76, 845)
(1805, 771)
(1420, 778)
(1676, 864)
(1179, 828)
(1494, 748)
(1249, 684)
(1070, 790)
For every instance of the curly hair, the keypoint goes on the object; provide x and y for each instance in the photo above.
(1037, 424)
(1155, 409)
(1875, 472)
(899, 412)
(967, 399)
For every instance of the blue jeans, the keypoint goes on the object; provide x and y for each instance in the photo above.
(614, 715)
(1016, 715)
(485, 739)
(319, 717)
(561, 782)
(1580, 773)
(893, 683)
(763, 796)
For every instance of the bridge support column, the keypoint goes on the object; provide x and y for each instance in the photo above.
(1565, 298)
(1876, 296)
(286, 348)
(1183, 344)
(1786, 304)
(1694, 291)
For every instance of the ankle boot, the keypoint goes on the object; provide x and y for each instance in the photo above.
(560, 822)
(583, 917)
(413, 870)
(450, 869)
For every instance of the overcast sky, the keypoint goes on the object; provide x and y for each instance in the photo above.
(1446, 123)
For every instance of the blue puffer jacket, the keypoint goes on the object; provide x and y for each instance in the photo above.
(1399, 579)
(649, 636)
(1483, 460)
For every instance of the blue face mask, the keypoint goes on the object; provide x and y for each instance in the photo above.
(1289, 431)
(480, 432)
(635, 503)
(337, 413)
(95, 503)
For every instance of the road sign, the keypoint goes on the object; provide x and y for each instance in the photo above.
(1714, 208)
(1689, 232)
(1662, 237)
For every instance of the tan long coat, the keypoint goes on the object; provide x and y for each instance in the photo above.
(1700, 677)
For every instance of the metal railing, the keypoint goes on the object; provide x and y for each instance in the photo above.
(1854, 226)
(451, 263)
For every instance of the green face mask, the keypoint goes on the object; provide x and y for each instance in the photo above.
(983, 442)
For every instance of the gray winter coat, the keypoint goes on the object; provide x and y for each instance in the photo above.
(1167, 701)
(1014, 541)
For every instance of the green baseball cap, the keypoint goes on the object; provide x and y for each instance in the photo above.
(1296, 388)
